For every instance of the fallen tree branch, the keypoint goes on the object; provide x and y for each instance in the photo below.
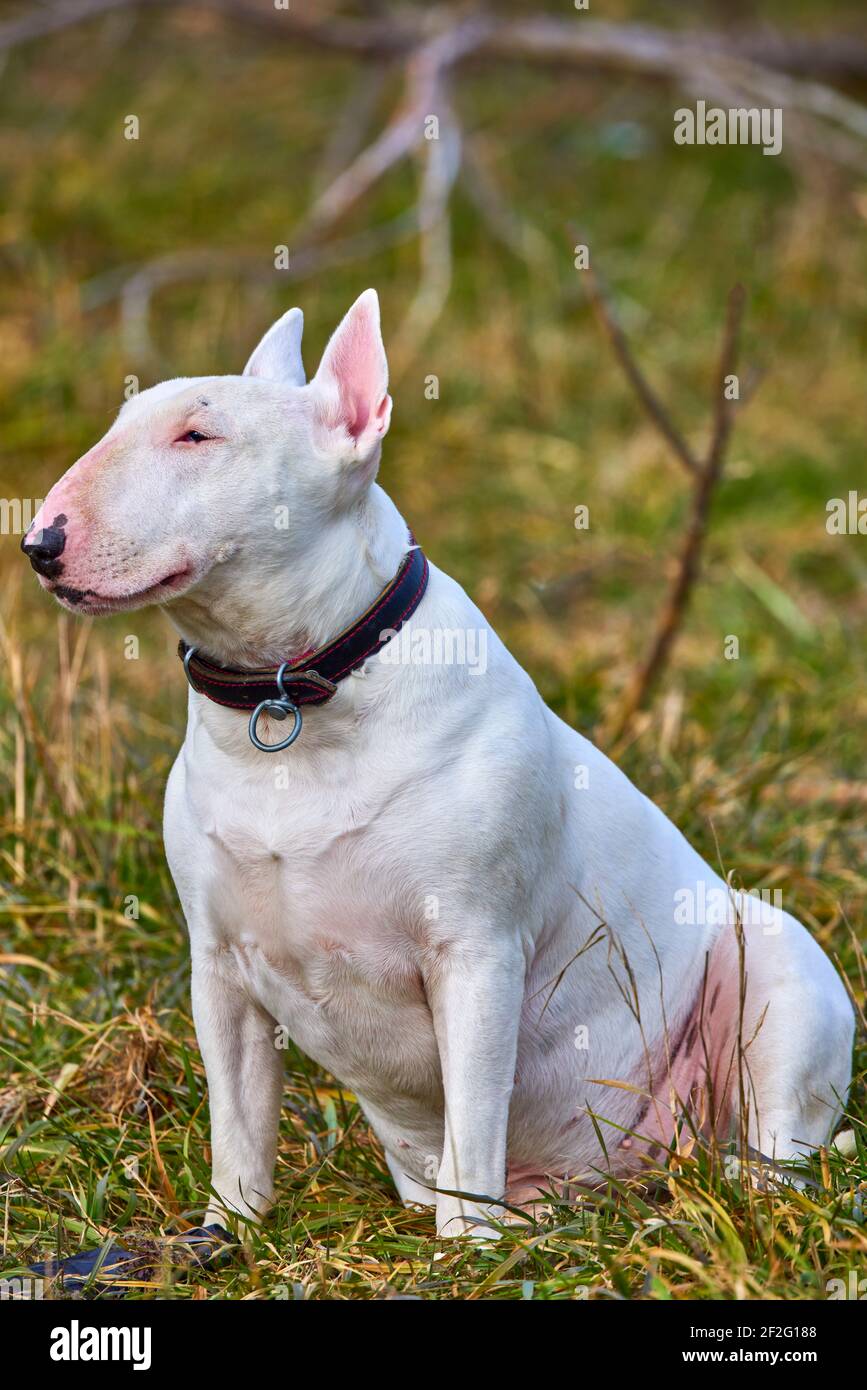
(440, 166)
(310, 250)
(577, 42)
(431, 47)
(363, 38)
(425, 73)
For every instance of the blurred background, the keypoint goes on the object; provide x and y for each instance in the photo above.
(155, 161)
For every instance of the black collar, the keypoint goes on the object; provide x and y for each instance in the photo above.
(313, 678)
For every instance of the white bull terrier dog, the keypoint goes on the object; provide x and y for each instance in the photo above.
(447, 897)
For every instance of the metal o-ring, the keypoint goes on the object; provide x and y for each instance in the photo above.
(279, 709)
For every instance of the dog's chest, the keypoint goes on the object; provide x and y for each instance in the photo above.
(304, 903)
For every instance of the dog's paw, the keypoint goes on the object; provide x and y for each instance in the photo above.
(845, 1143)
(764, 1176)
(458, 1228)
(457, 1218)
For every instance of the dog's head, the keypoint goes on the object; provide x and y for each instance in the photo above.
(197, 471)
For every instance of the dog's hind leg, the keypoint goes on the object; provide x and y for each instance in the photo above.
(779, 1028)
(245, 1082)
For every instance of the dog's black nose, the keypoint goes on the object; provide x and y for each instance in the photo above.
(43, 548)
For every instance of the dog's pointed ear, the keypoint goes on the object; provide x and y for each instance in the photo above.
(352, 407)
(278, 356)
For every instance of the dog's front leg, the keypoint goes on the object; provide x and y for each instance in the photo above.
(245, 1081)
(475, 995)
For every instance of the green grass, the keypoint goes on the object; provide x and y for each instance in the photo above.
(103, 1109)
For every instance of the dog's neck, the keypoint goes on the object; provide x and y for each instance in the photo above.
(253, 613)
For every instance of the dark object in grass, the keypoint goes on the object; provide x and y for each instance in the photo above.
(116, 1268)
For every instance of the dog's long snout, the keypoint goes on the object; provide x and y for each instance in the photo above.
(44, 547)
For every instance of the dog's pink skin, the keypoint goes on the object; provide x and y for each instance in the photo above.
(75, 499)
(61, 499)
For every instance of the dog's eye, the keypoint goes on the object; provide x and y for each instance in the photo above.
(192, 437)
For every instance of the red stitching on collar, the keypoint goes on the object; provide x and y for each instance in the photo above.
(400, 618)
(304, 690)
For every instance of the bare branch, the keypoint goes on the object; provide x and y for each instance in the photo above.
(651, 403)
(722, 405)
(687, 570)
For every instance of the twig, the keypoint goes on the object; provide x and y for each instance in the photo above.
(687, 570)
(653, 406)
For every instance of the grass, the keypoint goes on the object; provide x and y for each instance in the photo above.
(103, 1110)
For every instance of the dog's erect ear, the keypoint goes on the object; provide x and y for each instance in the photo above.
(352, 407)
(278, 356)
